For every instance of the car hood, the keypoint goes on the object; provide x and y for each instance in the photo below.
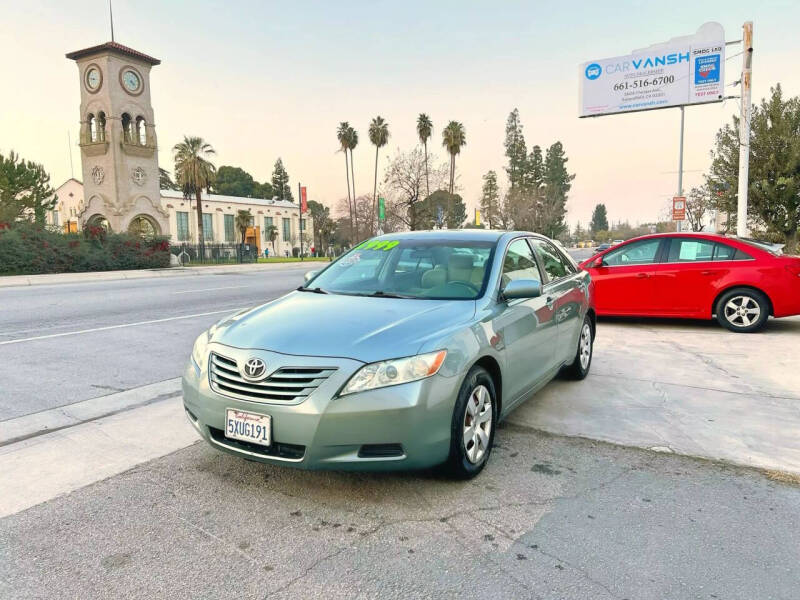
(335, 325)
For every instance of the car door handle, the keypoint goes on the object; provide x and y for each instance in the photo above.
(643, 275)
(550, 301)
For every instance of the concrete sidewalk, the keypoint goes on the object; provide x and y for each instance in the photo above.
(58, 278)
(685, 387)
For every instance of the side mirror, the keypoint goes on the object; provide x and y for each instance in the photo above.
(597, 262)
(522, 288)
(310, 275)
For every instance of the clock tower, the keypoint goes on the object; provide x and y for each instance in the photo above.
(119, 153)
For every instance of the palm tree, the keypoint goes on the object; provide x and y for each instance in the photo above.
(424, 131)
(352, 142)
(193, 172)
(243, 220)
(453, 138)
(343, 135)
(378, 135)
(271, 233)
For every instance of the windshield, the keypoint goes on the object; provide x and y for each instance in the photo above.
(434, 269)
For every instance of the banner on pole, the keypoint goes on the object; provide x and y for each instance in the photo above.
(679, 208)
(381, 209)
(684, 70)
(477, 217)
(303, 200)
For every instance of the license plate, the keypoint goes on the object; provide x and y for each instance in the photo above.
(248, 427)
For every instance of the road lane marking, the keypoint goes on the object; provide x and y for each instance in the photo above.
(227, 287)
(120, 326)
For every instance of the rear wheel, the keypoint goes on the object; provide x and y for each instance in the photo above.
(579, 368)
(742, 310)
(472, 428)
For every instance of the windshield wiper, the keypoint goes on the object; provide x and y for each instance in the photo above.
(316, 290)
(382, 294)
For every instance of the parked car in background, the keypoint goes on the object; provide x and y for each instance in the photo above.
(696, 275)
(617, 242)
(404, 353)
(602, 247)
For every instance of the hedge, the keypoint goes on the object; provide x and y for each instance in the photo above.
(28, 249)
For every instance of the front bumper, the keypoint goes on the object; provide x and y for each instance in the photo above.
(324, 431)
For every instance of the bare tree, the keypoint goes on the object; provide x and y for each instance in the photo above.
(406, 185)
(698, 202)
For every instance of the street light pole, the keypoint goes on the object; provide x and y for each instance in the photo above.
(744, 128)
(680, 166)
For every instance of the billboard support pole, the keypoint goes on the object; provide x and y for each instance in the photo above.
(744, 128)
(680, 166)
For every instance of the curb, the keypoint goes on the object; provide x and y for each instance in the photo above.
(8, 281)
(54, 419)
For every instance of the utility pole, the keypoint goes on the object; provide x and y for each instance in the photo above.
(744, 128)
(300, 220)
(680, 166)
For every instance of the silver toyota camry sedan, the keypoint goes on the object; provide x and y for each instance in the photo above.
(403, 353)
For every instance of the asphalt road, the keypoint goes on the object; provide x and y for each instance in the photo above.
(549, 518)
(60, 344)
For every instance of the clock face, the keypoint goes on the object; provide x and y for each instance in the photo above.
(93, 78)
(131, 81)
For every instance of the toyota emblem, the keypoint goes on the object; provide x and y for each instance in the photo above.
(254, 368)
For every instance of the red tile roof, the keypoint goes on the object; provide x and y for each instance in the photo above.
(115, 48)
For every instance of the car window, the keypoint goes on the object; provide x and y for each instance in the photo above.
(636, 253)
(520, 263)
(725, 252)
(686, 250)
(437, 268)
(552, 262)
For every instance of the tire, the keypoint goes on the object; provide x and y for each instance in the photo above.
(582, 362)
(742, 310)
(466, 460)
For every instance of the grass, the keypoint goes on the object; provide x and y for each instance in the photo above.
(282, 259)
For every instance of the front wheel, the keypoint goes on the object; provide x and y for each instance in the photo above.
(742, 310)
(472, 428)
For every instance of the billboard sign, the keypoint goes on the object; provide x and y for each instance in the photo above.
(684, 70)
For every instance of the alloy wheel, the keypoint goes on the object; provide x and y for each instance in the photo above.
(742, 311)
(585, 347)
(477, 424)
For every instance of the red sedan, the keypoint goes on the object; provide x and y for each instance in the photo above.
(696, 275)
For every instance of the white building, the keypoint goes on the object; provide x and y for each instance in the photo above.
(219, 218)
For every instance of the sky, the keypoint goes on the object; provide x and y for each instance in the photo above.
(259, 80)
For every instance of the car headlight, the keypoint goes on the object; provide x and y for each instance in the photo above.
(394, 372)
(200, 349)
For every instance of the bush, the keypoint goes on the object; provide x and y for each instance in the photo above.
(295, 252)
(28, 249)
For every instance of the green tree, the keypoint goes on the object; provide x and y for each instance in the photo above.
(490, 200)
(516, 150)
(774, 186)
(271, 234)
(193, 172)
(534, 171)
(352, 142)
(280, 182)
(454, 137)
(379, 136)
(424, 131)
(24, 190)
(343, 135)
(454, 211)
(557, 184)
(599, 220)
(323, 225)
(244, 219)
(165, 180)
(234, 181)
(263, 190)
